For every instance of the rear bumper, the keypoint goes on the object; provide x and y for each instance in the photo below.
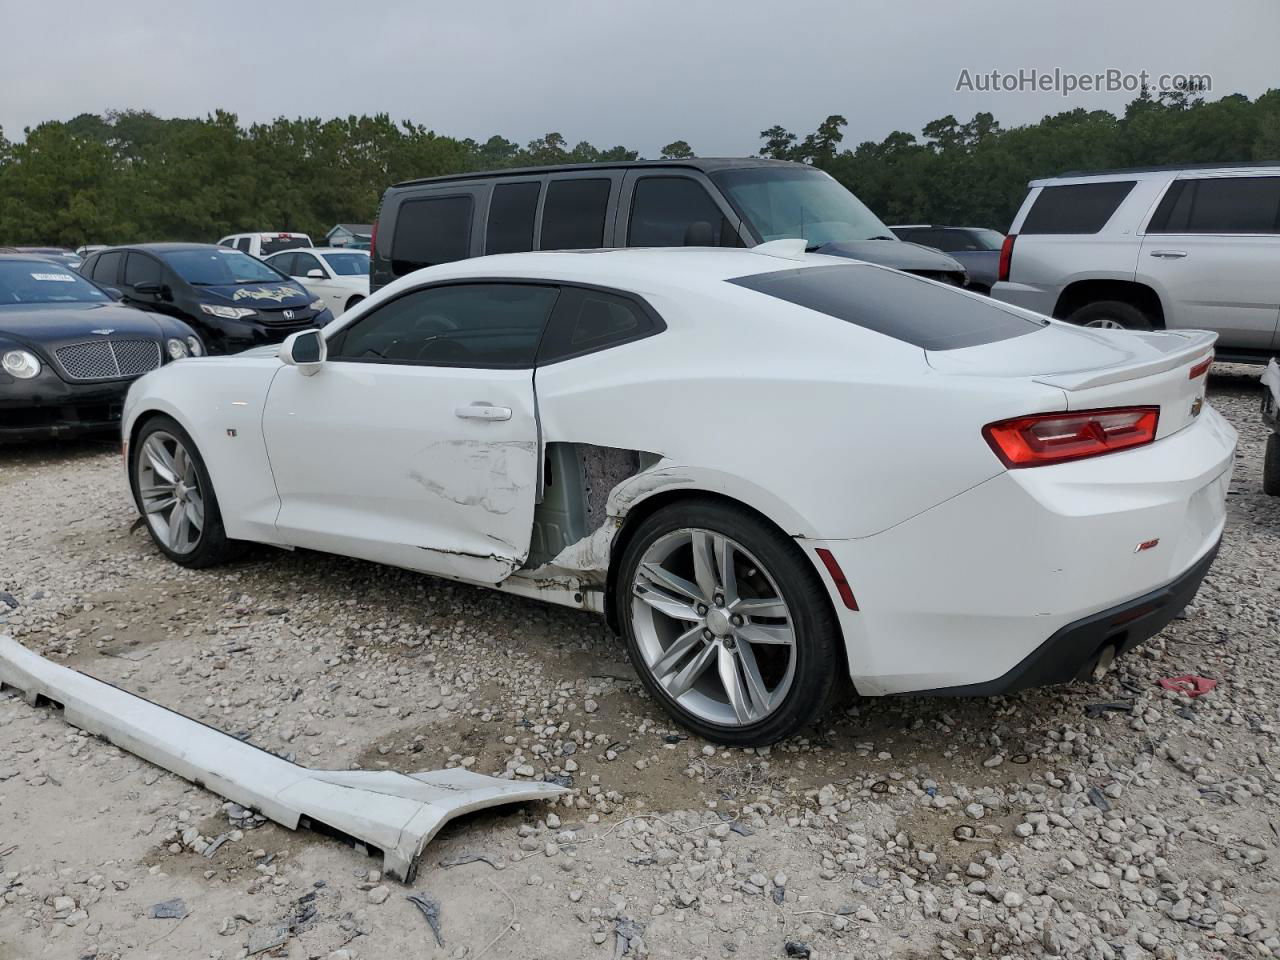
(1027, 296)
(1074, 650)
(963, 595)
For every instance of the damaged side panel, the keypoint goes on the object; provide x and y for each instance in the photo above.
(394, 812)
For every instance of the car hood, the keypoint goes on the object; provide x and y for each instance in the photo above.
(893, 253)
(268, 296)
(57, 322)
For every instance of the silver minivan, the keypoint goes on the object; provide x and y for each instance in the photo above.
(1191, 247)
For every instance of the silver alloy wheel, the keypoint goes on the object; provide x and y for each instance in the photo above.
(1106, 323)
(169, 488)
(712, 627)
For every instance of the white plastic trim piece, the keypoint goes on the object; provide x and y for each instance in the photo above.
(394, 812)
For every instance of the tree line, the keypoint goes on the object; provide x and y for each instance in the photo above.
(132, 176)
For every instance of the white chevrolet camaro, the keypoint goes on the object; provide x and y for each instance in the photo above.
(767, 468)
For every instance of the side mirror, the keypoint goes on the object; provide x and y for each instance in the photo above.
(148, 288)
(315, 273)
(305, 350)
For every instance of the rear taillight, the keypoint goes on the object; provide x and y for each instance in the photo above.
(1201, 368)
(1046, 438)
(373, 239)
(1006, 257)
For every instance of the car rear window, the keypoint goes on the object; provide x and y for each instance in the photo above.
(272, 245)
(1075, 207)
(895, 304)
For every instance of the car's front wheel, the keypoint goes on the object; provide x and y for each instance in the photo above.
(726, 624)
(173, 492)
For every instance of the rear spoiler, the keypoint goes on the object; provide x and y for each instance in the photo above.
(1183, 346)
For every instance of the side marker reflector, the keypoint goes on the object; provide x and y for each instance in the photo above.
(837, 577)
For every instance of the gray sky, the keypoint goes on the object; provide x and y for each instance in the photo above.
(636, 72)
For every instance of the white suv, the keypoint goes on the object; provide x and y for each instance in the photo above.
(1193, 247)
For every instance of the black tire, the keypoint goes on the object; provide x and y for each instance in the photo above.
(352, 302)
(1271, 467)
(1103, 313)
(212, 546)
(818, 663)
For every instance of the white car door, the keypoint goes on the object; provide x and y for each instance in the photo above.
(1213, 253)
(416, 442)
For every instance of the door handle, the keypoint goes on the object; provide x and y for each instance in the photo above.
(1169, 254)
(483, 411)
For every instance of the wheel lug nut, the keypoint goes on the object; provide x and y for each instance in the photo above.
(702, 609)
(719, 601)
(737, 620)
(707, 635)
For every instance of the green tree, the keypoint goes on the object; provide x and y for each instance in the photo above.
(677, 150)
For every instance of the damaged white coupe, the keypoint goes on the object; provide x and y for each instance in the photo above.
(769, 469)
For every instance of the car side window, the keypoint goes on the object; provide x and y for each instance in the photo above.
(244, 243)
(1075, 207)
(666, 212)
(482, 325)
(587, 320)
(284, 262)
(107, 269)
(140, 268)
(573, 214)
(1222, 205)
(512, 210)
(429, 231)
(302, 263)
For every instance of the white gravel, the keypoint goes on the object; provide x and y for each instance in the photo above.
(1009, 827)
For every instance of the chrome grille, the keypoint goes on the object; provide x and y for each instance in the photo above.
(108, 359)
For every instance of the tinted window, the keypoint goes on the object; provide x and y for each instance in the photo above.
(463, 325)
(573, 215)
(1220, 205)
(141, 269)
(107, 269)
(303, 263)
(243, 244)
(511, 214)
(663, 209)
(431, 231)
(1076, 207)
(588, 320)
(276, 244)
(216, 266)
(284, 263)
(896, 304)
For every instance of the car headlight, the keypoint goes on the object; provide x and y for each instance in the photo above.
(195, 346)
(317, 305)
(227, 313)
(21, 364)
(177, 349)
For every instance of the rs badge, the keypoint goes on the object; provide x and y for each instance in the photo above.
(1196, 406)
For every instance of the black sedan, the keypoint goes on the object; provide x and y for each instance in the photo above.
(233, 300)
(68, 351)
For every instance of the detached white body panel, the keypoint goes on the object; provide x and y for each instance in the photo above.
(394, 812)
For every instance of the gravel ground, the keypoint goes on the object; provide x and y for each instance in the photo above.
(1017, 826)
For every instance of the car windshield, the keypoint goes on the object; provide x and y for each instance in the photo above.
(348, 264)
(220, 267)
(32, 281)
(782, 203)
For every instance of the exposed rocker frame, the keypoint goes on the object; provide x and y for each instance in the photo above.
(394, 812)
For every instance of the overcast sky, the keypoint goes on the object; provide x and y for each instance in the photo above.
(636, 72)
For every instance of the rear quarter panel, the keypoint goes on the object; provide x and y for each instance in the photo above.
(827, 428)
(219, 402)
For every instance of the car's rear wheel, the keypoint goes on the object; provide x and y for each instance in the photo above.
(173, 492)
(1111, 315)
(726, 624)
(352, 302)
(1271, 467)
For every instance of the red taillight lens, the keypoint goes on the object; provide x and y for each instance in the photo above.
(1057, 437)
(837, 577)
(1006, 257)
(373, 238)
(1201, 368)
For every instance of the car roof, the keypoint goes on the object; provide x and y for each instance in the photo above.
(701, 164)
(27, 257)
(1139, 173)
(170, 247)
(318, 250)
